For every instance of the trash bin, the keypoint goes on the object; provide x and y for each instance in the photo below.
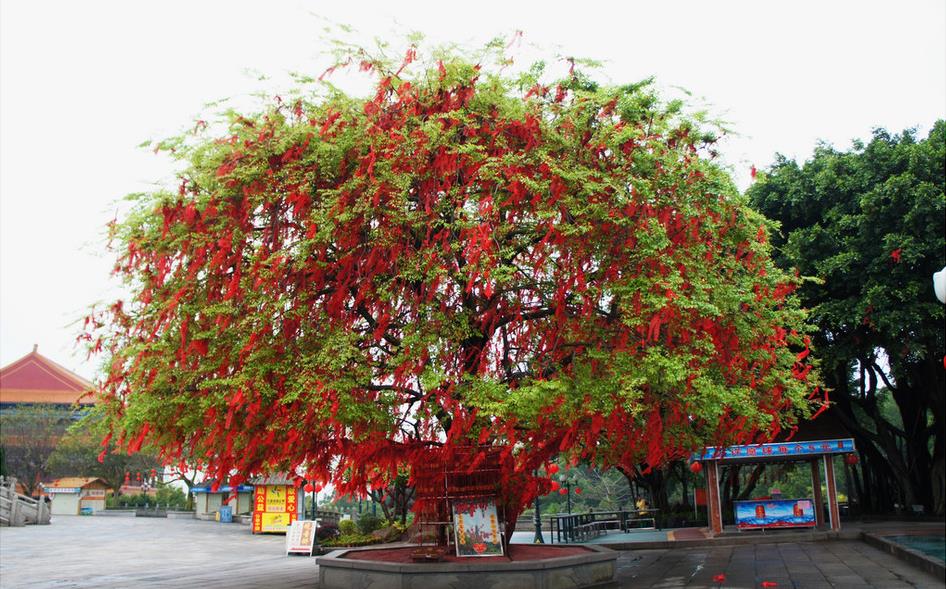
(226, 514)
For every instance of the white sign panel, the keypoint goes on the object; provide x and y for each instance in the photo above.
(300, 538)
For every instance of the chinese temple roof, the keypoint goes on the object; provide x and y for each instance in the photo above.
(34, 378)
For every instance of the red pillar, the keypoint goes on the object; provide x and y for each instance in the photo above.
(816, 490)
(834, 513)
(713, 506)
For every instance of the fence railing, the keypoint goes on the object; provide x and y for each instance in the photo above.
(581, 527)
(19, 510)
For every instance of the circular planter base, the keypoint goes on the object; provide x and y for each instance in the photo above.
(525, 567)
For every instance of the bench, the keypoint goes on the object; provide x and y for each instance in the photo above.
(630, 521)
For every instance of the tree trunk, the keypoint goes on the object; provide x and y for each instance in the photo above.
(752, 482)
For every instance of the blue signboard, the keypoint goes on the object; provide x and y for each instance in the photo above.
(776, 450)
(775, 513)
(222, 489)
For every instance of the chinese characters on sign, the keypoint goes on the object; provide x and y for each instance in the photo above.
(274, 508)
(775, 513)
(477, 529)
(776, 450)
(300, 537)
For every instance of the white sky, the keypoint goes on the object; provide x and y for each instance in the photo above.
(83, 83)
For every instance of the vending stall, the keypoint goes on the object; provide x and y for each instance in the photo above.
(276, 504)
(209, 502)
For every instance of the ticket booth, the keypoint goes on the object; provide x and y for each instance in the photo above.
(277, 503)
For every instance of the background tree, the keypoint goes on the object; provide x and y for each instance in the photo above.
(466, 258)
(29, 434)
(81, 453)
(870, 225)
(396, 498)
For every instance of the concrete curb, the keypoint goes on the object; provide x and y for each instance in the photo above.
(595, 569)
(727, 540)
(909, 555)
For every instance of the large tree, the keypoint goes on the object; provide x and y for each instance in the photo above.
(869, 224)
(28, 435)
(80, 453)
(464, 258)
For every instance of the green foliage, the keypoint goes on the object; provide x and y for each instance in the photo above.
(28, 435)
(170, 495)
(347, 527)
(368, 523)
(355, 539)
(867, 229)
(79, 451)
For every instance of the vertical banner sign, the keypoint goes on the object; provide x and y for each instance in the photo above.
(477, 529)
(301, 537)
(259, 506)
(274, 508)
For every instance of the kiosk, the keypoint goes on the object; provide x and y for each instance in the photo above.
(276, 504)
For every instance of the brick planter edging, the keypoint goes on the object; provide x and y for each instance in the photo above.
(594, 569)
(914, 557)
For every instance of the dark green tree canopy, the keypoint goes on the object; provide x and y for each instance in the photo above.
(869, 224)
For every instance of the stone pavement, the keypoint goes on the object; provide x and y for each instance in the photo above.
(119, 552)
(129, 553)
(809, 565)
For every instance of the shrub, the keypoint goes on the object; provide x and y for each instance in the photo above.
(326, 531)
(169, 495)
(352, 540)
(368, 523)
(346, 527)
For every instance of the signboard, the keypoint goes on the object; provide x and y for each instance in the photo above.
(699, 497)
(274, 508)
(776, 450)
(476, 528)
(775, 513)
(301, 537)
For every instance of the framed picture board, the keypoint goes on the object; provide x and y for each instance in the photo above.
(476, 528)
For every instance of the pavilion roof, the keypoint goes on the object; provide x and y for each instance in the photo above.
(34, 378)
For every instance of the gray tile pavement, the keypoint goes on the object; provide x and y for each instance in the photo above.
(114, 552)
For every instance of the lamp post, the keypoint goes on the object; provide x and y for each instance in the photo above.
(309, 488)
(567, 487)
(537, 521)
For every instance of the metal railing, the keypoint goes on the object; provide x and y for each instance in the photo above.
(581, 527)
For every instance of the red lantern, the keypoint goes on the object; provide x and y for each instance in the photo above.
(551, 469)
(578, 490)
(318, 488)
(308, 487)
(554, 485)
(851, 459)
(696, 467)
(563, 491)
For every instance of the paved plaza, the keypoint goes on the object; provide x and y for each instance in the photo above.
(120, 552)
